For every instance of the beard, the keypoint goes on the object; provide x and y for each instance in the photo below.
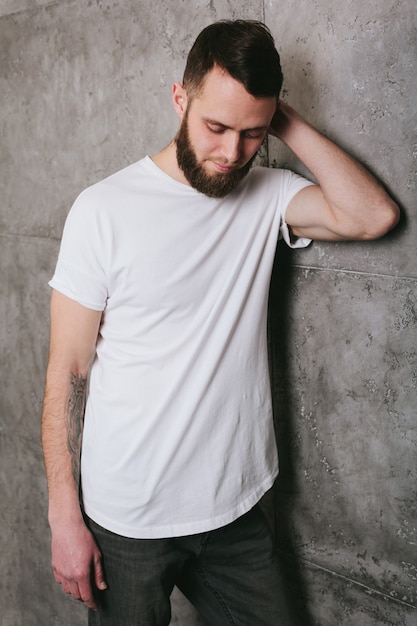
(212, 185)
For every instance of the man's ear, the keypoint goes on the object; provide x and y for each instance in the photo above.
(179, 99)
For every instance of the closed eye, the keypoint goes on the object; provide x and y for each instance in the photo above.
(253, 134)
(250, 133)
(216, 129)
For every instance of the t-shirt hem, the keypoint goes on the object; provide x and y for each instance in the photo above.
(184, 529)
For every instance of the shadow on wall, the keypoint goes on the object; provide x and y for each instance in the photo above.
(285, 487)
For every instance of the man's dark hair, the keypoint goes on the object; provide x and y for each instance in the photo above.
(243, 48)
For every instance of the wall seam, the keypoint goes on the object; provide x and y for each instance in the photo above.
(9, 13)
(29, 236)
(317, 268)
(352, 581)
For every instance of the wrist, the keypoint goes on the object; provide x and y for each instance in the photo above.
(64, 508)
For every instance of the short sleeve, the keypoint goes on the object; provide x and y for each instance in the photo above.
(80, 272)
(292, 185)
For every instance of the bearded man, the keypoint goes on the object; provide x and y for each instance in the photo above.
(159, 303)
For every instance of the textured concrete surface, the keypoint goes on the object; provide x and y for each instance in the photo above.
(351, 603)
(344, 349)
(346, 496)
(350, 69)
(85, 90)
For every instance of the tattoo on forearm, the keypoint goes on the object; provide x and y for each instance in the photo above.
(75, 422)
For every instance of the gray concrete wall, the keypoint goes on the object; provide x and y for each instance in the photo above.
(85, 90)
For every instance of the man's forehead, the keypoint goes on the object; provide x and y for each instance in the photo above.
(225, 101)
(218, 78)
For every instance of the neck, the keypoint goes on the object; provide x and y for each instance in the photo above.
(166, 160)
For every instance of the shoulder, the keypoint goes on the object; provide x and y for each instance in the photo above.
(259, 175)
(107, 195)
(275, 183)
(115, 183)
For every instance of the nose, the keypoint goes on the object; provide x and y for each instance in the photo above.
(232, 147)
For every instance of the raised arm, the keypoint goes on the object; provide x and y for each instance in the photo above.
(76, 559)
(348, 203)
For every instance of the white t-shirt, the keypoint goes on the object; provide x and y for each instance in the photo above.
(178, 435)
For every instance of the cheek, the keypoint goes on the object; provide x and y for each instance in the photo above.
(208, 140)
(206, 144)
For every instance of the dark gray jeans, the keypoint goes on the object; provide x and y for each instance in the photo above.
(229, 574)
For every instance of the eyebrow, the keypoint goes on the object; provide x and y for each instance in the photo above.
(245, 130)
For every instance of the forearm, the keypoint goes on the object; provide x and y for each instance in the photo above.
(76, 559)
(62, 427)
(74, 332)
(356, 200)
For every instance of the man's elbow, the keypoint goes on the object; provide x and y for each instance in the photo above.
(387, 217)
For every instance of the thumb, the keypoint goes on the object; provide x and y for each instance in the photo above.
(99, 574)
